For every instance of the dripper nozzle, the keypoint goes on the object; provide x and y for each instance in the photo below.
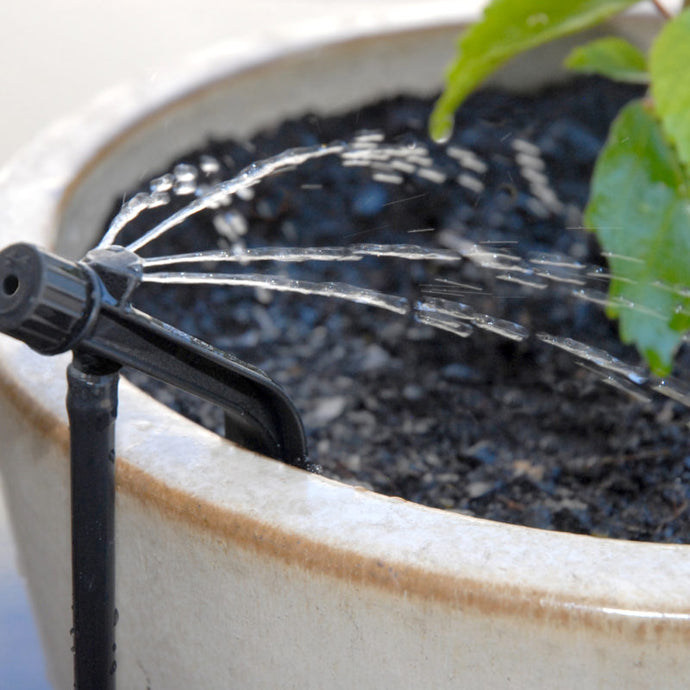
(45, 300)
(53, 305)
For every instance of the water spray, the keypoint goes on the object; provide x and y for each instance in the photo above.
(55, 305)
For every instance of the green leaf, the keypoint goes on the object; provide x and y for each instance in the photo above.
(510, 27)
(639, 208)
(611, 57)
(669, 59)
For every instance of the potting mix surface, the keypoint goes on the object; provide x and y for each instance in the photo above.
(505, 428)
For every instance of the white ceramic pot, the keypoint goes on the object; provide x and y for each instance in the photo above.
(235, 571)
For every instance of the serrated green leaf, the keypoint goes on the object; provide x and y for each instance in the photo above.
(612, 57)
(640, 210)
(669, 62)
(510, 27)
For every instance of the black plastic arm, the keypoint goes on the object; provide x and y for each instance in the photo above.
(55, 305)
(259, 415)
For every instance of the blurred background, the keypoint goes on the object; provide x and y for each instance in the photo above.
(56, 57)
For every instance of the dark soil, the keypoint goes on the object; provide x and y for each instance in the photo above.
(513, 431)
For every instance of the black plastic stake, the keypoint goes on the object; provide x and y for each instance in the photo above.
(54, 305)
(92, 409)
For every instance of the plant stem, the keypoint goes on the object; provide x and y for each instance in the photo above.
(663, 11)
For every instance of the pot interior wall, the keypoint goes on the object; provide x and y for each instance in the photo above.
(264, 92)
(322, 80)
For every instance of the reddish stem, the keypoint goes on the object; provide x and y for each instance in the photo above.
(663, 11)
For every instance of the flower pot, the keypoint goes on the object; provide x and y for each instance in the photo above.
(234, 570)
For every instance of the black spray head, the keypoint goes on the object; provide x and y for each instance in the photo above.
(54, 305)
(45, 300)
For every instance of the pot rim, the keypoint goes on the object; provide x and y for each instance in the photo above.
(187, 474)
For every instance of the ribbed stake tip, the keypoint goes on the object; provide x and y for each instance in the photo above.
(44, 299)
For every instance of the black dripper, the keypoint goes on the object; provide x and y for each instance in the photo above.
(55, 305)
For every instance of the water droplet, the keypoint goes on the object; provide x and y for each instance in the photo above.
(444, 323)
(535, 177)
(674, 389)
(444, 136)
(536, 208)
(525, 279)
(369, 137)
(184, 172)
(403, 166)
(410, 252)
(184, 187)
(230, 224)
(470, 182)
(597, 356)
(526, 147)
(432, 175)
(163, 183)
(209, 165)
(594, 296)
(468, 159)
(531, 161)
(158, 199)
(507, 329)
(457, 310)
(622, 257)
(559, 274)
(420, 160)
(622, 385)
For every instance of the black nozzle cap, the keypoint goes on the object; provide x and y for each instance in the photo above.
(45, 300)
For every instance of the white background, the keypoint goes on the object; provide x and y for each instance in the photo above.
(57, 54)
